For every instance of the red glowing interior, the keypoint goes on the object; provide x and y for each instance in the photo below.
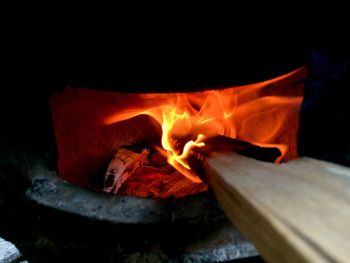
(89, 124)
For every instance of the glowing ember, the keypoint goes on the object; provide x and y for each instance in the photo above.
(248, 113)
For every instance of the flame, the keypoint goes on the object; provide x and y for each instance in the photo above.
(248, 113)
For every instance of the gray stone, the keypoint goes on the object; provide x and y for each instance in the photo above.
(8, 252)
(56, 193)
(224, 244)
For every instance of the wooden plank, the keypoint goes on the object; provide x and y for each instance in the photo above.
(293, 212)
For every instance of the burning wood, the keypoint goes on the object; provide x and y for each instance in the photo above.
(147, 174)
(123, 165)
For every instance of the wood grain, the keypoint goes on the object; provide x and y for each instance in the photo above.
(293, 212)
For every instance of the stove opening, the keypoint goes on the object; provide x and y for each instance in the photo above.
(153, 144)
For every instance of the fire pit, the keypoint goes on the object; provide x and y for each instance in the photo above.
(152, 137)
(88, 138)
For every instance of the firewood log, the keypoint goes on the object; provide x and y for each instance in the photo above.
(122, 166)
(147, 174)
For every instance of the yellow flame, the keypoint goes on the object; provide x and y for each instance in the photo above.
(179, 161)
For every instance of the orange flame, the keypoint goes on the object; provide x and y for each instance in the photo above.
(247, 112)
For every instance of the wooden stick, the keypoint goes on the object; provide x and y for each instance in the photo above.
(293, 212)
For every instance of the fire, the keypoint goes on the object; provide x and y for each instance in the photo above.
(257, 113)
(170, 119)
